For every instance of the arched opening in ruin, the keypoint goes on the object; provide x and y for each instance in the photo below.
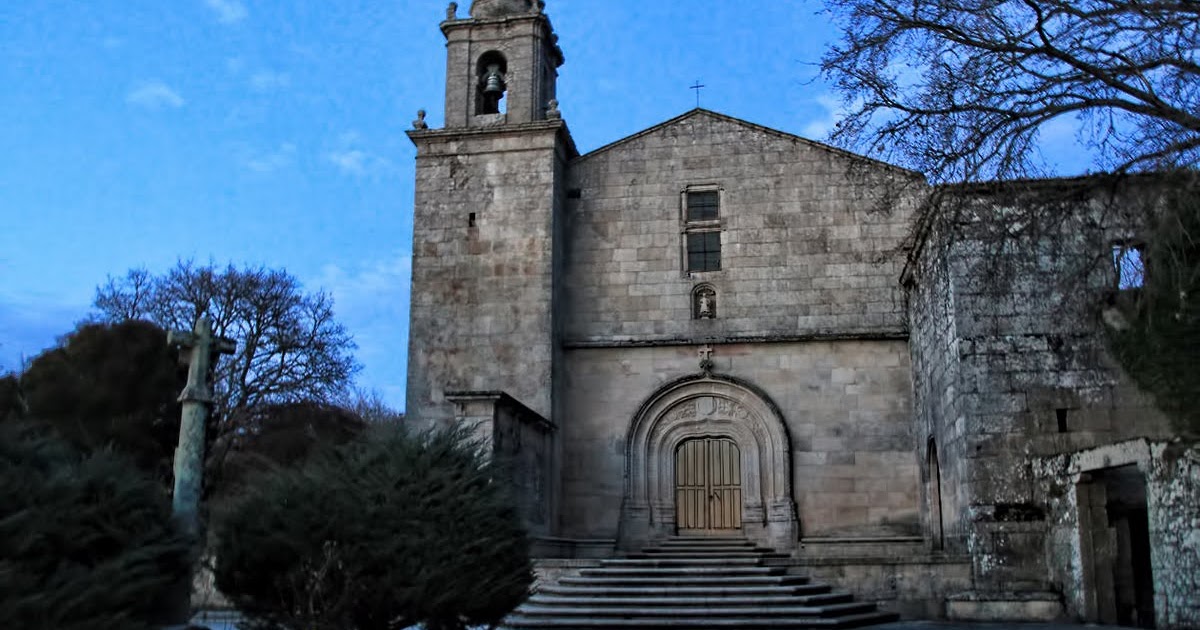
(937, 524)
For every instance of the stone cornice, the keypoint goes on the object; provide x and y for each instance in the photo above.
(651, 342)
(454, 133)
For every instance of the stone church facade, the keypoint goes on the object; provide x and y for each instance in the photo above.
(713, 328)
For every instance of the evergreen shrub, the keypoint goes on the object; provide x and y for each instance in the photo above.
(86, 541)
(391, 530)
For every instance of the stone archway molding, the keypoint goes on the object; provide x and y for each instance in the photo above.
(703, 406)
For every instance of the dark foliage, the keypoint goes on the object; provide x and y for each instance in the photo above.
(273, 436)
(111, 384)
(12, 399)
(1159, 341)
(86, 541)
(388, 531)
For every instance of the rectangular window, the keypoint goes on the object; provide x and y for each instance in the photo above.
(703, 206)
(700, 220)
(1129, 266)
(704, 251)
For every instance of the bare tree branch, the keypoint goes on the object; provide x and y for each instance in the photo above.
(961, 89)
(290, 346)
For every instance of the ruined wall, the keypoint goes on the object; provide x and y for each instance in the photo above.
(846, 406)
(1174, 483)
(1024, 364)
(935, 351)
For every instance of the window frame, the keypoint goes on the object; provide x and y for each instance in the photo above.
(1122, 251)
(695, 227)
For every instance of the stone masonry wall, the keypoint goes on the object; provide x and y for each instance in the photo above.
(805, 249)
(1033, 380)
(846, 406)
(483, 294)
(1174, 485)
(936, 374)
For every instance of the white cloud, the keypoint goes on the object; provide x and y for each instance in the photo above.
(833, 112)
(270, 161)
(351, 159)
(267, 81)
(154, 95)
(228, 11)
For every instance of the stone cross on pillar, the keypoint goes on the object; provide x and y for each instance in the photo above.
(198, 349)
(706, 363)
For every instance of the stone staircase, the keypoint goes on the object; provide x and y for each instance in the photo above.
(692, 582)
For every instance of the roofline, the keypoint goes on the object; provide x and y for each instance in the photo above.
(738, 121)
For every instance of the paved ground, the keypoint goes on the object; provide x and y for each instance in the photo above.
(225, 622)
(960, 625)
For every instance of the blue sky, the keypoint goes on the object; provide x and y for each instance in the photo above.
(137, 132)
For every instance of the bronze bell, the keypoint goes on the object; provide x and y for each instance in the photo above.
(493, 81)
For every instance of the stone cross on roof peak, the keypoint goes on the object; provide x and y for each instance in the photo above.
(504, 8)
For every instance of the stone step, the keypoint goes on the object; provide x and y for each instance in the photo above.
(712, 610)
(710, 580)
(693, 582)
(715, 553)
(707, 541)
(692, 621)
(766, 590)
(675, 600)
(730, 552)
(681, 572)
(686, 561)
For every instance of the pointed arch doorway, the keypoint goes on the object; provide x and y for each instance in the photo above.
(708, 487)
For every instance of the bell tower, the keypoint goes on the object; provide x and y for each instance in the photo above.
(487, 217)
(502, 64)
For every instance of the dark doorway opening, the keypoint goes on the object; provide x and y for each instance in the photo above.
(1115, 536)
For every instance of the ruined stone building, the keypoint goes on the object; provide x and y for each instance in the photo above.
(715, 328)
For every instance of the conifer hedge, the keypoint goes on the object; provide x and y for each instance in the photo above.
(86, 541)
(391, 530)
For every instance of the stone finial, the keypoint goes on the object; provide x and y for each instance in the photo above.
(420, 123)
(483, 9)
(452, 12)
(552, 112)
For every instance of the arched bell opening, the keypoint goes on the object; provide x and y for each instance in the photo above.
(492, 84)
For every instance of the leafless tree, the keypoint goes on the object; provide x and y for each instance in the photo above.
(960, 89)
(289, 346)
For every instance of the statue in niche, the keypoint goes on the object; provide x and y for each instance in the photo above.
(705, 303)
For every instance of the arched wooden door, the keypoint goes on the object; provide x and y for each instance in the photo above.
(708, 487)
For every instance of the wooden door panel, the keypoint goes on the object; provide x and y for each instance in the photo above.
(708, 486)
